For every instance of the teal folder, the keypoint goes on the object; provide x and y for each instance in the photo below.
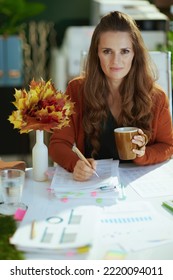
(14, 63)
(11, 61)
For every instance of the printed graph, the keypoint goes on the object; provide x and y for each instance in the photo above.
(126, 220)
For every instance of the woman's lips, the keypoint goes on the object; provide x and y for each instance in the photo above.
(116, 68)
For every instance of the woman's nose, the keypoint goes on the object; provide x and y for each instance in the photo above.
(116, 58)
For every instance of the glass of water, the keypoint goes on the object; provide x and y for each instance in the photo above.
(11, 184)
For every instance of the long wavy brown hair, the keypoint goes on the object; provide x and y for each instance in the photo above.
(137, 88)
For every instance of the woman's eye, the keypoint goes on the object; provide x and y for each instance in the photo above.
(107, 51)
(125, 51)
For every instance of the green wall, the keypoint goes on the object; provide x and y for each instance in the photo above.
(65, 13)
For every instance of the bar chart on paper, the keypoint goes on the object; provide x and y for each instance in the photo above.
(127, 219)
(134, 225)
(127, 228)
(120, 222)
(133, 213)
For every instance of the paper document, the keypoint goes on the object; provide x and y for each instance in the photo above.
(63, 182)
(150, 181)
(66, 230)
(132, 227)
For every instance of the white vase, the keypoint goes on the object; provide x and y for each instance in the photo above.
(40, 157)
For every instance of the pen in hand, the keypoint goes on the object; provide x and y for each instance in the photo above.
(81, 156)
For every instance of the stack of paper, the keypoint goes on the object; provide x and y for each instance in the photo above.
(59, 233)
(63, 183)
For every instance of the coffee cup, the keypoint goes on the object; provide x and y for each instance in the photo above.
(123, 140)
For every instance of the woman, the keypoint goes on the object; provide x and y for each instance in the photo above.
(118, 89)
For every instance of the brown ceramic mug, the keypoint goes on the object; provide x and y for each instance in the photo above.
(123, 140)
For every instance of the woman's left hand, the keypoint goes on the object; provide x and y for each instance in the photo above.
(141, 141)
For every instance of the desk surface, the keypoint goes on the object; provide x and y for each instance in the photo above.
(42, 203)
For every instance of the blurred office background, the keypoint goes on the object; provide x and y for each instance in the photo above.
(52, 44)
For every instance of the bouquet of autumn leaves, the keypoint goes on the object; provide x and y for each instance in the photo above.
(41, 108)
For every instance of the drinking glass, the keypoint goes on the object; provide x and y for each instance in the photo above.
(11, 184)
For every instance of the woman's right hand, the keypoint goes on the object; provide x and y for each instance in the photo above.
(83, 172)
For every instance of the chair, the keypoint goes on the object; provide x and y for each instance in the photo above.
(162, 60)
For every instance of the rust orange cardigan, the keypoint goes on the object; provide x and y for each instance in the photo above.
(159, 148)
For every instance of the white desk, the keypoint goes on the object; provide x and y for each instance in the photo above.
(44, 204)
